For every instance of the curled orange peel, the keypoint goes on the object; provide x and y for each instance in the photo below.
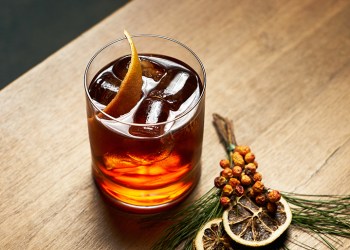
(130, 90)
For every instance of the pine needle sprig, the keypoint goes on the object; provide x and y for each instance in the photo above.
(323, 214)
(189, 220)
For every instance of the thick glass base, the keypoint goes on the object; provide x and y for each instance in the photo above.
(156, 205)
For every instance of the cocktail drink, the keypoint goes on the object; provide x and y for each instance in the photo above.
(150, 157)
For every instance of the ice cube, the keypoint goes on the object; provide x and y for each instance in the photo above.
(104, 88)
(176, 88)
(121, 66)
(158, 90)
(152, 70)
(177, 83)
(150, 111)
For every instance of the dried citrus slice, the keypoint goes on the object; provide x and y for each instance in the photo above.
(212, 236)
(131, 87)
(251, 225)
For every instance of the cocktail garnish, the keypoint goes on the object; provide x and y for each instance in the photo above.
(131, 87)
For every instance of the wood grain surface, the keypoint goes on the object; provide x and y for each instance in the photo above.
(279, 69)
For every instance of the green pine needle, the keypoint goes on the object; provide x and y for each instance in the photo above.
(189, 220)
(326, 216)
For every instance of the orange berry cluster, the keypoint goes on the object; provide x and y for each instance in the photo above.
(239, 176)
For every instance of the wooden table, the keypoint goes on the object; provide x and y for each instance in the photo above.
(279, 69)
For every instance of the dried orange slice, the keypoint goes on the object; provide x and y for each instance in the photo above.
(131, 87)
(251, 225)
(213, 236)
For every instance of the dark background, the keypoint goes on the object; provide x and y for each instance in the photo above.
(31, 30)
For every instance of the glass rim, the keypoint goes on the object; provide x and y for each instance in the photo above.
(145, 124)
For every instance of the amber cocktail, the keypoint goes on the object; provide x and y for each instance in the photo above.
(149, 158)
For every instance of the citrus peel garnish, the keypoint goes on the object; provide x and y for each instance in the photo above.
(252, 225)
(131, 87)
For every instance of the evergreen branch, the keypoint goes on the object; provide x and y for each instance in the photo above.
(189, 220)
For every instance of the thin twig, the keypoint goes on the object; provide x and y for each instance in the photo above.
(224, 127)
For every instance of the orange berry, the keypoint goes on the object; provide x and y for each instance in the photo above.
(257, 177)
(245, 180)
(234, 182)
(225, 201)
(274, 196)
(227, 190)
(249, 157)
(239, 190)
(260, 199)
(227, 173)
(237, 159)
(251, 168)
(236, 171)
(225, 163)
(242, 149)
(220, 181)
(258, 187)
